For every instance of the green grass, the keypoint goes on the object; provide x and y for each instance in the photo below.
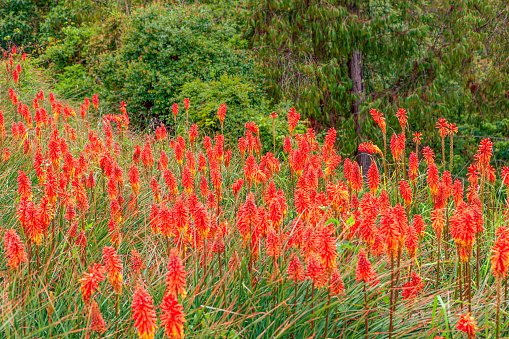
(257, 303)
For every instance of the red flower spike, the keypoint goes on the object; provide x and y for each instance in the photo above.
(172, 317)
(364, 271)
(97, 322)
(14, 249)
(467, 324)
(90, 281)
(144, 315)
(295, 270)
(113, 267)
(175, 275)
(500, 257)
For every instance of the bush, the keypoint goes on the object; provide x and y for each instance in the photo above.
(245, 102)
(163, 48)
(16, 22)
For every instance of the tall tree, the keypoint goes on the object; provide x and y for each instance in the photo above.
(336, 59)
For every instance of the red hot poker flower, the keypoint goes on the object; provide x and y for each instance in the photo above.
(295, 270)
(113, 266)
(14, 249)
(467, 324)
(500, 257)
(144, 315)
(172, 317)
(402, 117)
(175, 275)
(364, 271)
(90, 281)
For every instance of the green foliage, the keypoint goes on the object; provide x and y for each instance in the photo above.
(75, 81)
(163, 48)
(445, 61)
(16, 22)
(245, 102)
(56, 20)
(72, 49)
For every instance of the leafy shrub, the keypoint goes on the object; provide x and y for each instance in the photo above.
(16, 22)
(74, 82)
(245, 102)
(163, 48)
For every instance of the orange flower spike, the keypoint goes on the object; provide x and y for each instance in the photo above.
(370, 148)
(144, 315)
(90, 281)
(172, 317)
(373, 177)
(293, 120)
(443, 127)
(273, 243)
(326, 244)
(113, 267)
(95, 101)
(484, 153)
(155, 190)
(147, 157)
(175, 109)
(97, 322)
(356, 177)
(412, 240)
(467, 324)
(181, 215)
(24, 185)
(14, 249)
(163, 159)
(3, 133)
(175, 275)
(153, 218)
(429, 155)
(295, 270)
(406, 192)
(500, 257)
(315, 270)
(433, 179)
(134, 179)
(402, 118)
(364, 271)
(193, 134)
(413, 166)
(438, 221)
(379, 119)
(221, 114)
(187, 180)
(330, 138)
(390, 231)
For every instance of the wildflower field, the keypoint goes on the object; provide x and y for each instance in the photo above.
(109, 232)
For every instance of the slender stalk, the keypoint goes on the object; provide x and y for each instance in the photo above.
(366, 320)
(327, 316)
(499, 299)
(385, 157)
(391, 298)
(312, 307)
(460, 284)
(443, 153)
(451, 155)
(439, 242)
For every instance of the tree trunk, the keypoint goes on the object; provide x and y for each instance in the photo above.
(357, 76)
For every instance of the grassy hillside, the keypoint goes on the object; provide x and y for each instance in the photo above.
(240, 244)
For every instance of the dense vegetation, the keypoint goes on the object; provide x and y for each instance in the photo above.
(333, 61)
(254, 169)
(111, 233)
